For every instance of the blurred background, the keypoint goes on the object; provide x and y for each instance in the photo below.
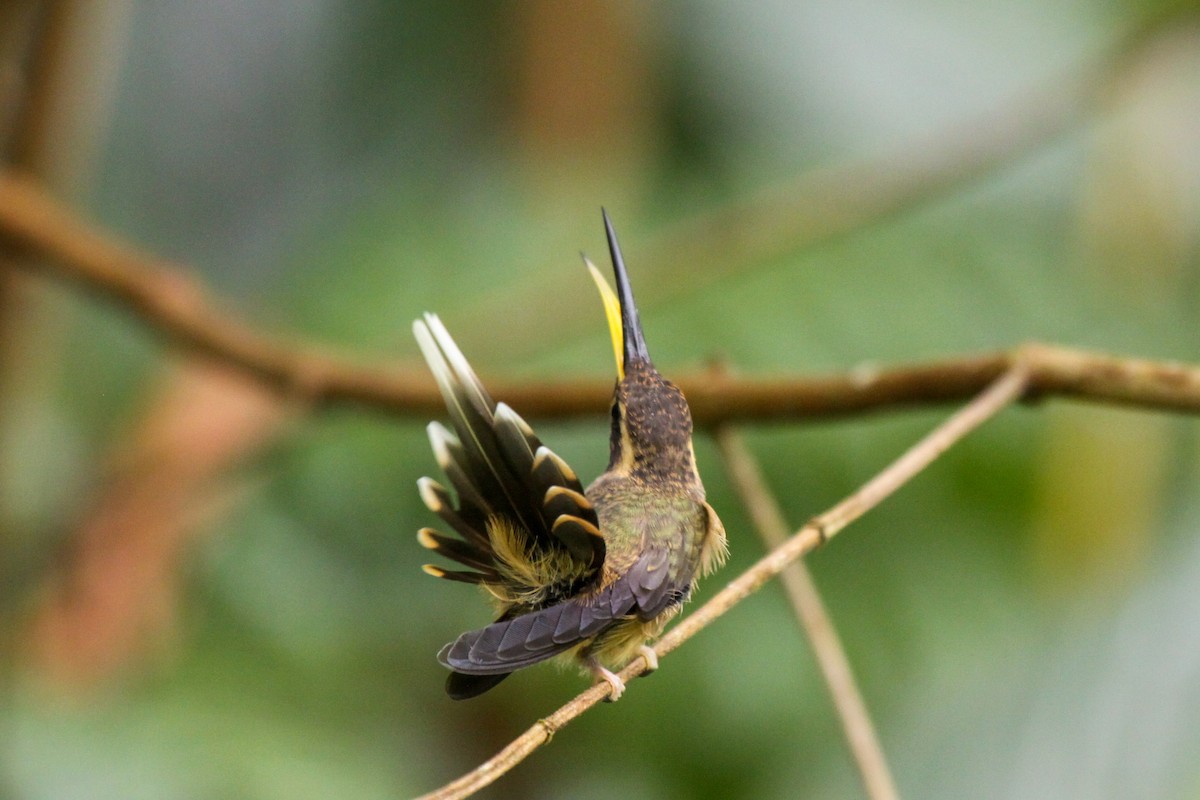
(206, 592)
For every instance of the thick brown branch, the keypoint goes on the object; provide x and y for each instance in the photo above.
(169, 303)
(819, 205)
(173, 305)
(1003, 392)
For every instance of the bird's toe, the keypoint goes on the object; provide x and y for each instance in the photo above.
(609, 677)
(650, 657)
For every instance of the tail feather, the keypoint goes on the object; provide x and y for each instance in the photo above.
(582, 540)
(506, 481)
(550, 470)
(455, 549)
(461, 686)
(515, 439)
(472, 412)
(472, 528)
(454, 461)
(462, 576)
(528, 533)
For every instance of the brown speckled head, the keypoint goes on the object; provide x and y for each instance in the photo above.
(651, 423)
(652, 426)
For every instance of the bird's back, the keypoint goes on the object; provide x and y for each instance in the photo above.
(637, 518)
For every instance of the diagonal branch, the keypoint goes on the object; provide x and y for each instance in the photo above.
(172, 304)
(761, 504)
(1003, 392)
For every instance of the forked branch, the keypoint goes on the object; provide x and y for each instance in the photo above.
(1006, 390)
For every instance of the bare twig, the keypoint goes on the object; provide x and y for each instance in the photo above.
(1003, 392)
(169, 303)
(764, 510)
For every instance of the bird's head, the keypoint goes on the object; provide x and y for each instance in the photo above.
(651, 424)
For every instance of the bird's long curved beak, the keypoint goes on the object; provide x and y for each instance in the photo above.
(624, 324)
(633, 343)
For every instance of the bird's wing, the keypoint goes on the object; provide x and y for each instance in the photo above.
(655, 584)
(510, 644)
(521, 512)
(644, 592)
(669, 552)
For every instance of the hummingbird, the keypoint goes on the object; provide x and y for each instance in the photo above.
(593, 574)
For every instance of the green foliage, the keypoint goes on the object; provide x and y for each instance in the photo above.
(303, 660)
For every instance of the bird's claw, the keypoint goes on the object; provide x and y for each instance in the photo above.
(609, 677)
(651, 658)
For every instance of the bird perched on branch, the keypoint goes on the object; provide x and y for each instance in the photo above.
(593, 574)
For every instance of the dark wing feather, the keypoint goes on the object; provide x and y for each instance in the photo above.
(650, 582)
(510, 644)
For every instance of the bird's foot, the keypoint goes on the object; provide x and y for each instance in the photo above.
(609, 677)
(651, 658)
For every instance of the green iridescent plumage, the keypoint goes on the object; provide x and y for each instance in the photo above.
(593, 573)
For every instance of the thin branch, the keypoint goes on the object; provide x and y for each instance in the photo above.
(764, 510)
(171, 304)
(1003, 392)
